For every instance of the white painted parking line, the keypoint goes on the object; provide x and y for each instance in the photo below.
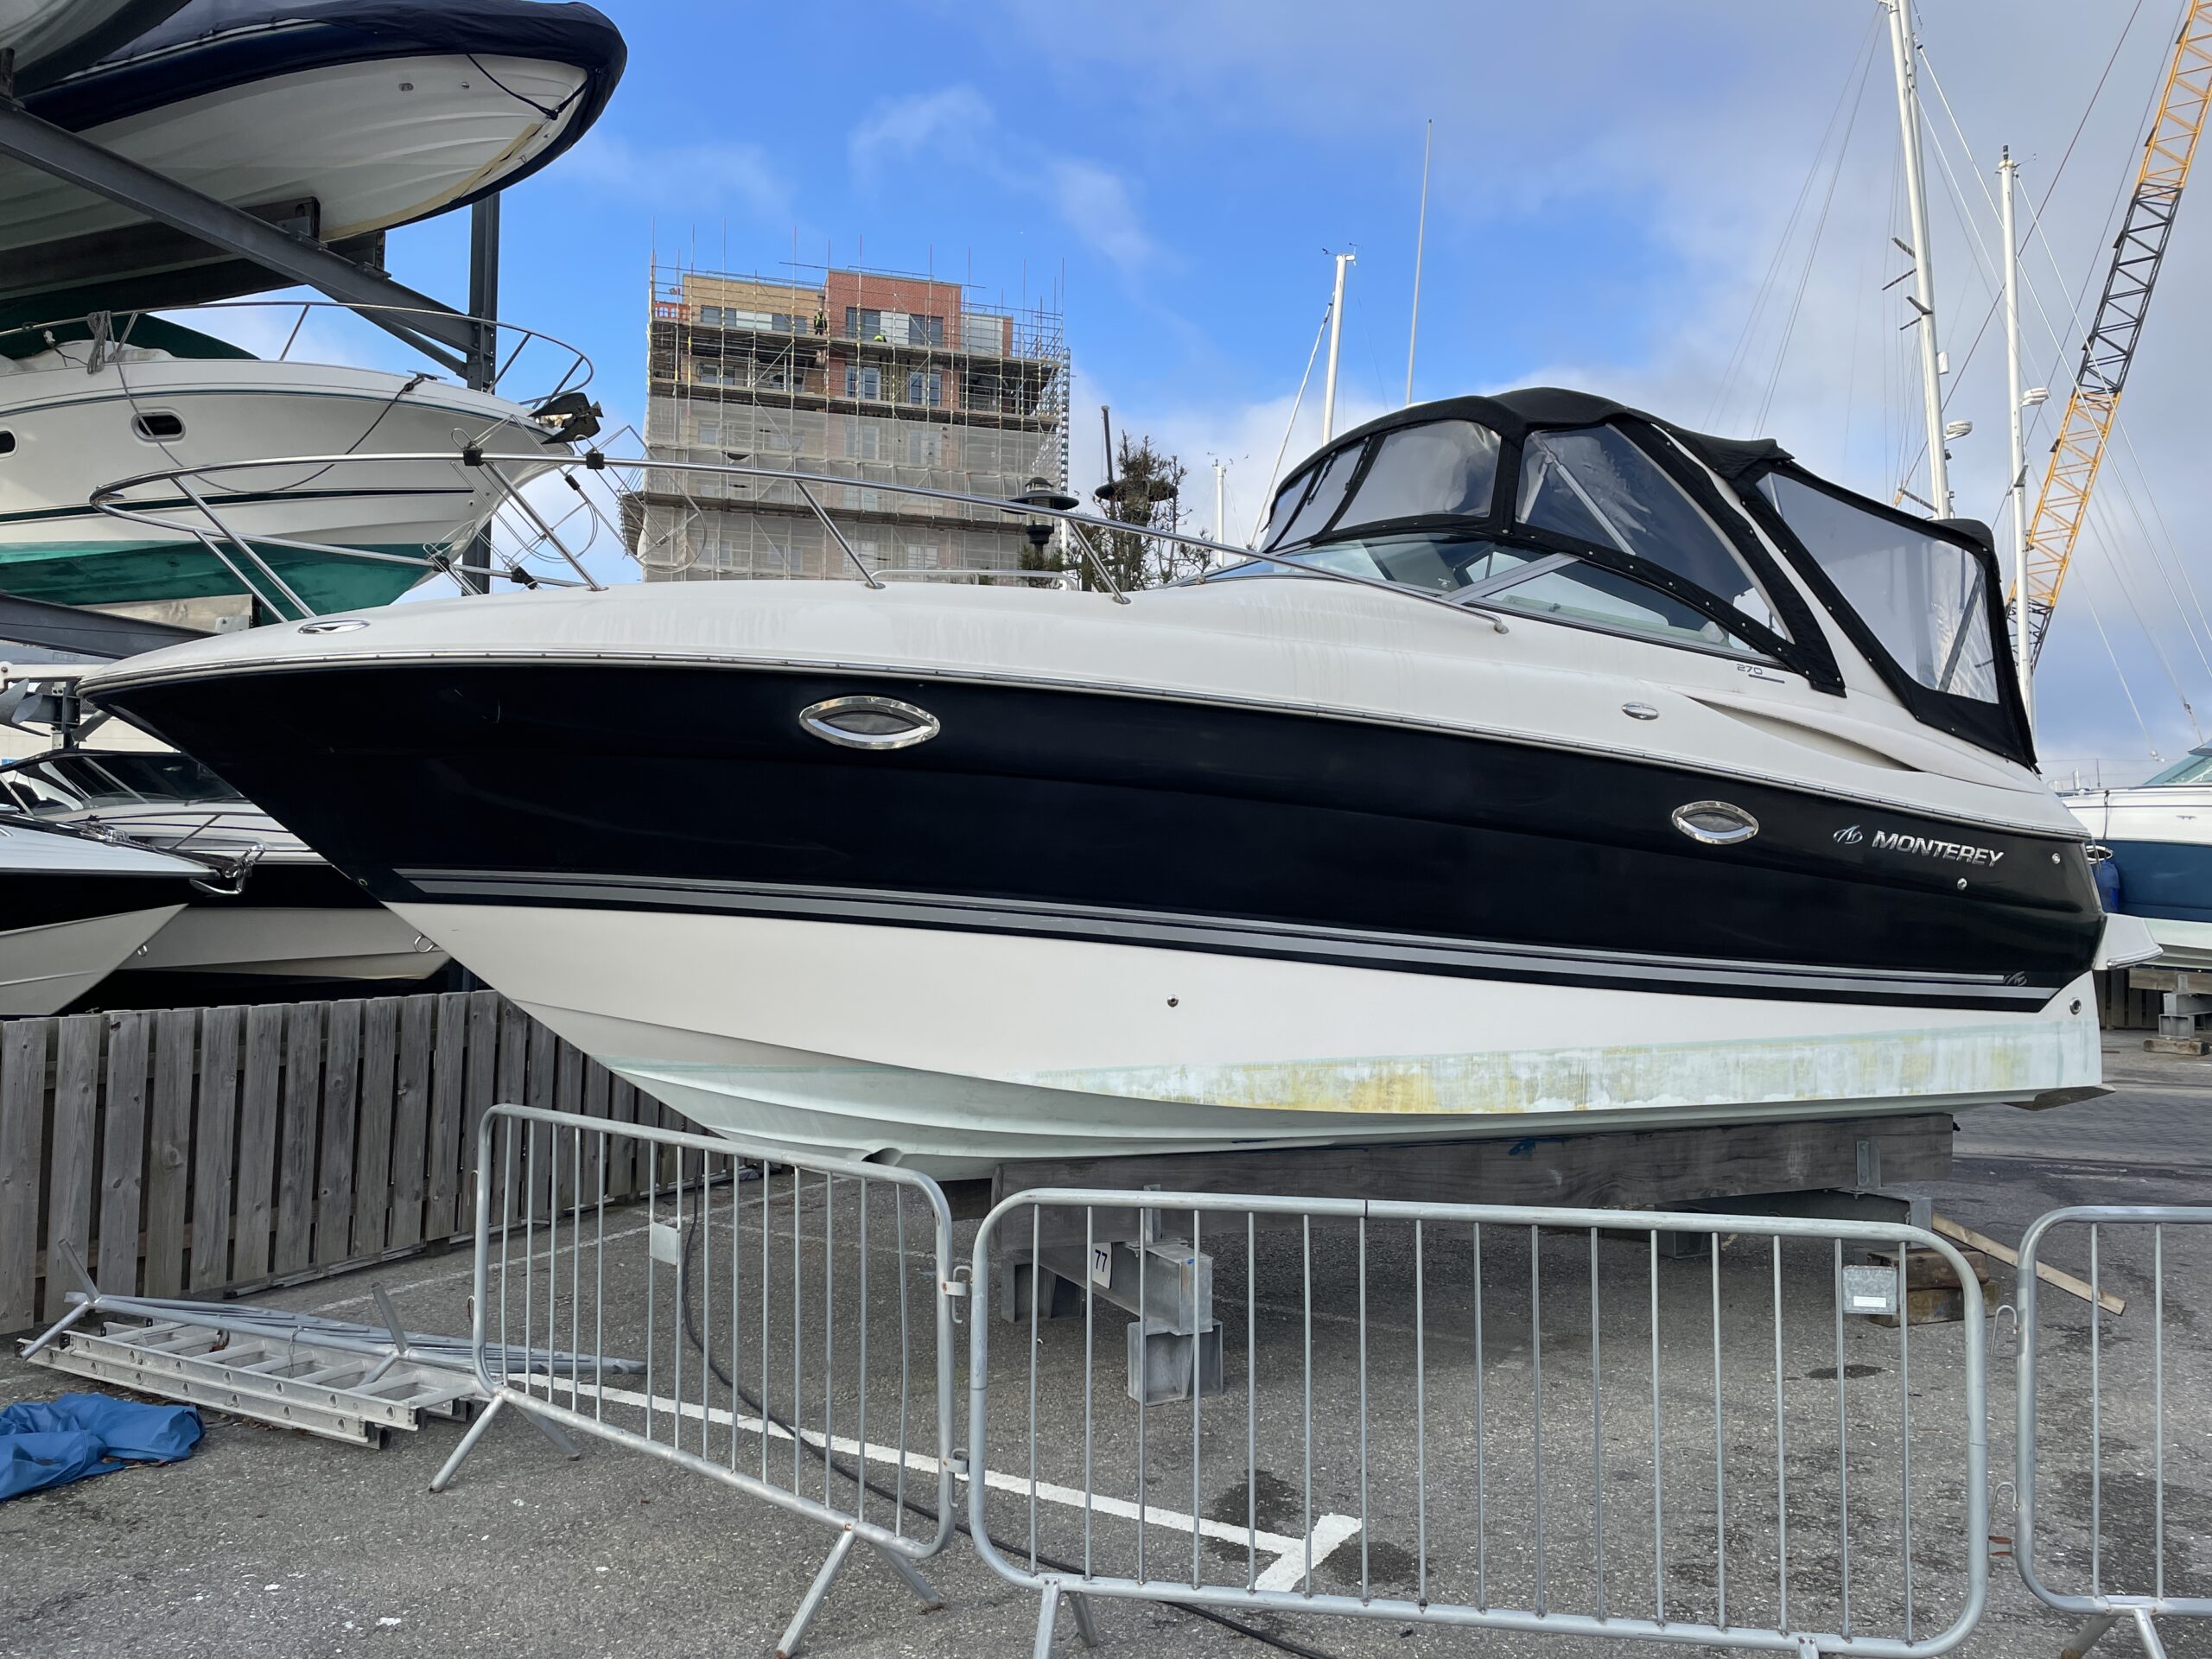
(1286, 1572)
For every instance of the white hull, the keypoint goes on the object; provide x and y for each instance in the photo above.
(376, 144)
(73, 434)
(954, 1053)
(294, 943)
(44, 969)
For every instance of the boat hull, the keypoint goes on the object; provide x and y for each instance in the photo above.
(2161, 842)
(44, 969)
(956, 1053)
(1120, 923)
(75, 433)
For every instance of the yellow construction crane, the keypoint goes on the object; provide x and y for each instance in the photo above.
(2109, 347)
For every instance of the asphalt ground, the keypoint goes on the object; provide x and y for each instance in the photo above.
(269, 1542)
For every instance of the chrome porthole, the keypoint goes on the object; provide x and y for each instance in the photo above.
(333, 625)
(868, 722)
(1715, 823)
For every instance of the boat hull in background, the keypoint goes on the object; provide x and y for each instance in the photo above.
(75, 432)
(2161, 842)
(45, 969)
(378, 114)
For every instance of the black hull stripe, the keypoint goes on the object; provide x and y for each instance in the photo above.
(1223, 935)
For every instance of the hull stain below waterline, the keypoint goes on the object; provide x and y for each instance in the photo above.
(1906, 1065)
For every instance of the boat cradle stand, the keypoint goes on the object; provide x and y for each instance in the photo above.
(1132, 1259)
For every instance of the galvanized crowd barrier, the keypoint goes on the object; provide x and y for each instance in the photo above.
(2127, 1372)
(1511, 1417)
(778, 1322)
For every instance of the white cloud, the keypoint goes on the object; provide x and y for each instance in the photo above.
(958, 124)
(688, 177)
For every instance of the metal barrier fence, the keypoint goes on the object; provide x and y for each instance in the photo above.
(2126, 1378)
(1553, 1425)
(766, 1310)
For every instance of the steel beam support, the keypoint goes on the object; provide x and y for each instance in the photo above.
(441, 334)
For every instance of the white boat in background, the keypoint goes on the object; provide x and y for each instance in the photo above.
(2160, 872)
(268, 909)
(73, 909)
(89, 408)
(53, 38)
(1554, 767)
(376, 113)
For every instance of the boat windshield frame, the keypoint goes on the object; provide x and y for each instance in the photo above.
(2002, 725)
(118, 790)
(1799, 647)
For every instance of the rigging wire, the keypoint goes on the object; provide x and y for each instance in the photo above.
(1267, 495)
(1739, 357)
(2149, 742)
(1813, 248)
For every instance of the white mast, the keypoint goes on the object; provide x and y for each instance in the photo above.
(2017, 489)
(1221, 503)
(1336, 336)
(1903, 52)
(1420, 237)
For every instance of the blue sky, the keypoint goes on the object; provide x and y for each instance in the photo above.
(1611, 186)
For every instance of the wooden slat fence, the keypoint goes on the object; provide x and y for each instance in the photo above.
(187, 1151)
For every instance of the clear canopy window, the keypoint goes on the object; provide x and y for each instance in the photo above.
(1554, 585)
(1439, 469)
(1924, 597)
(1595, 485)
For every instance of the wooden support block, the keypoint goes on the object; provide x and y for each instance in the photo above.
(1960, 1233)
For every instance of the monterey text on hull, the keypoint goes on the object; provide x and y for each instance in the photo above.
(1611, 773)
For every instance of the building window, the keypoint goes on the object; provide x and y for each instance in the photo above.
(863, 440)
(924, 389)
(710, 316)
(710, 433)
(863, 383)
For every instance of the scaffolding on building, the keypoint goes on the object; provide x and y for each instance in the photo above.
(880, 377)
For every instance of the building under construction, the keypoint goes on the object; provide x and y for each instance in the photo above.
(871, 376)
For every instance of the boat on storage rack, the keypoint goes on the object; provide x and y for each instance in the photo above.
(2159, 834)
(271, 909)
(73, 908)
(91, 402)
(1550, 766)
(339, 119)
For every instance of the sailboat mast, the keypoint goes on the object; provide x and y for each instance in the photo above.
(1336, 337)
(2023, 656)
(1904, 53)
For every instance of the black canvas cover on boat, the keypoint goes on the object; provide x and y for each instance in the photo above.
(94, 29)
(212, 46)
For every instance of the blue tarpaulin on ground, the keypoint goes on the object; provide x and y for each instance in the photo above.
(52, 1442)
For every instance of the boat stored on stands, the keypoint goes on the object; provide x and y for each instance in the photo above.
(1550, 764)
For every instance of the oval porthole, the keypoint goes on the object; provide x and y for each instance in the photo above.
(868, 722)
(7, 443)
(1716, 823)
(157, 426)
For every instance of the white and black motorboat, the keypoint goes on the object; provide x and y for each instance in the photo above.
(1608, 773)
(75, 908)
(337, 117)
(266, 908)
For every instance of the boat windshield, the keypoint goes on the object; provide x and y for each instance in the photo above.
(1924, 597)
(1555, 585)
(58, 784)
(2194, 767)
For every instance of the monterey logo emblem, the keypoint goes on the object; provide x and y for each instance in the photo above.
(1891, 840)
